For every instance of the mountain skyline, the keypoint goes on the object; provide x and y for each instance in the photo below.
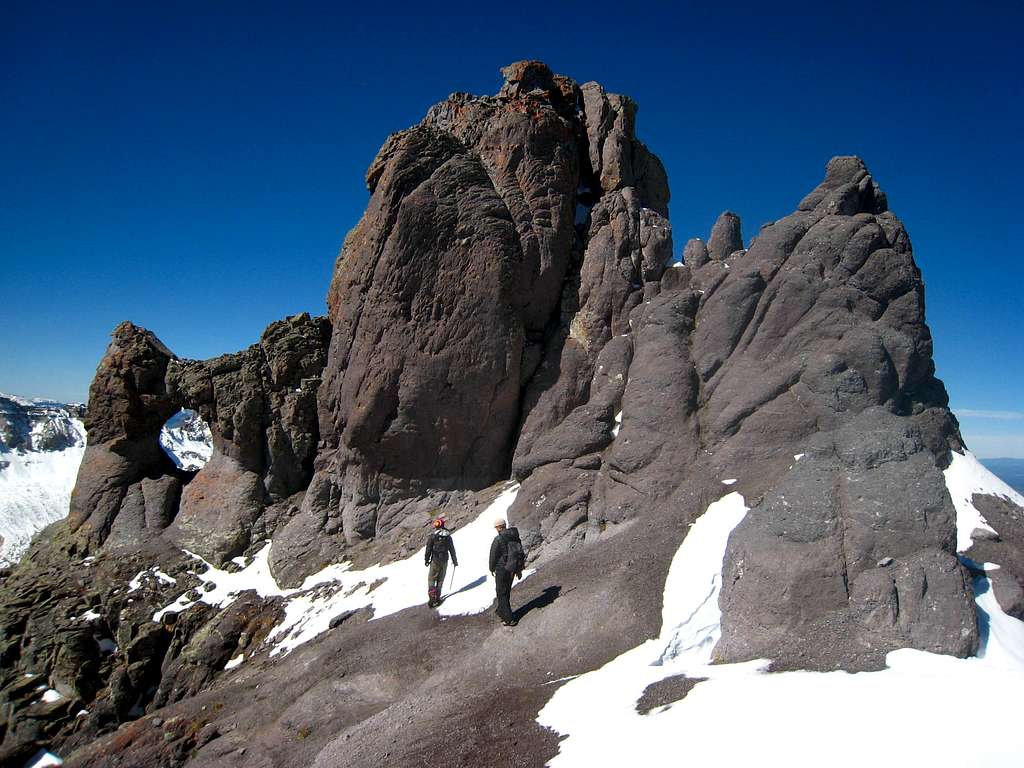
(198, 179)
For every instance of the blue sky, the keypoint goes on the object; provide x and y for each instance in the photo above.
(194, 167)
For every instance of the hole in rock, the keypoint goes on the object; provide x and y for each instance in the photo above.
(187, 439)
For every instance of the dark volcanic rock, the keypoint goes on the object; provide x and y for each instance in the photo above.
(811, 343)
(695, 255)
(725, 236)
(449, 304)
(843, 362)
(261, 406)
(1005, 548)
(128, 404)
(803, 567)
(666, 692)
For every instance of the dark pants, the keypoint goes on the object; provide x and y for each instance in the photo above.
(435, 579)
(503, 586)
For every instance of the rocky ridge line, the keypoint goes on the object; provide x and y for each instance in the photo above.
(506, 306)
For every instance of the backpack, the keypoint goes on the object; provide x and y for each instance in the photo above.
(439, 545)
(515, 555)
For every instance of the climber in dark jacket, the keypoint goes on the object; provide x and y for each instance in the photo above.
(506, 564)
(439, 546)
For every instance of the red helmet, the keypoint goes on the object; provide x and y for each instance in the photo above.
(439, 522)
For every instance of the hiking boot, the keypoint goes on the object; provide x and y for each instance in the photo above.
(510, 623)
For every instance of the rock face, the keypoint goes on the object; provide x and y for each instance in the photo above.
(128, 404)
(505, 308)
(441, 299)
(813, 342)
(261, 408)
(451, 297)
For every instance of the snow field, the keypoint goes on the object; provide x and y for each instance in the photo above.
(35, 490)
(337, 589)
(911, 713)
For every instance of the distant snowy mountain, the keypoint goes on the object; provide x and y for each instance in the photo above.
(187, 439)
(41, 446)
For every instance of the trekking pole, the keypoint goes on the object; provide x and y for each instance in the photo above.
(451, 582)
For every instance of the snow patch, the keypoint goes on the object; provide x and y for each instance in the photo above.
(337, 589)
(798, 456)
(618, 424)
(153, 573)
(232, 663)
(51, 696)
(35, 490)
(43, 759)
(730, 481)
(596, 712)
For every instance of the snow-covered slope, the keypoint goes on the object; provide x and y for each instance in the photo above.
(337, 589)
(41, 446)
(739, 714)
(187, 439)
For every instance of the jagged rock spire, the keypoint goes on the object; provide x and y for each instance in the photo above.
(696, 253)
(847, 189)
(725, 236)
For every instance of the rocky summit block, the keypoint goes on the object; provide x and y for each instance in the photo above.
(452, 298)
(811, 343)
